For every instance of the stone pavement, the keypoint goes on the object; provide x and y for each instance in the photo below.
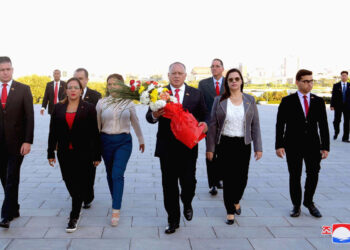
(263, 224)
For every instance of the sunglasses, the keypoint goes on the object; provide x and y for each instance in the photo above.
(73, 87)
(236, 79)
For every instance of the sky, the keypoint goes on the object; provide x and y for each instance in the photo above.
(144, 37)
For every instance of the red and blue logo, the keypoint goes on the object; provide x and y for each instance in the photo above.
(341, 233)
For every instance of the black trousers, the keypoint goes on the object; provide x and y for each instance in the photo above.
(91, 182)
(10, 166)
(312, 161)
(338, 112)
(177, 169)
(74, 167)
(214, 172)
(234, 158)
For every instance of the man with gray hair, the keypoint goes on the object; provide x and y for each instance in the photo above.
(178, 162)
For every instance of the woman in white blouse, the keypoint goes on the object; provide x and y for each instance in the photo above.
(233, 126)
(114, 123)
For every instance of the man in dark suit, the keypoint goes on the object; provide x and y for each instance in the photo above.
(177, 161)
(212, 87)
(340, 103)
(302, 134)
(16, 137)
(54, 92)
(91, 96)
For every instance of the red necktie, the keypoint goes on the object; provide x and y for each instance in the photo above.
(306, 104)
(177, 95)
(217, 88)
(4, 95)
(56, 93)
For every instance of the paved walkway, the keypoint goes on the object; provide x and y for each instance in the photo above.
(263, 224)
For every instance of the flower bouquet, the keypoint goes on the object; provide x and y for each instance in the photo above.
(183, 124)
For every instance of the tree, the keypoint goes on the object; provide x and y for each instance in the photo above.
(37, 85)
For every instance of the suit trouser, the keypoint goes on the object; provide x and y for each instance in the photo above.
(10, 176)
(234, 156)
(175, 169)
(73, 168)
(89, 196)
(338, 112)
(213, 171)
(312, 161)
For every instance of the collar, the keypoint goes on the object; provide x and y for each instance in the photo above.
(301, 96)
(220, 80)
(8, 84)
(182, 88)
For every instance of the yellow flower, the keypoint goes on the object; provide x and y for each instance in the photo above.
(154, 95)
(142, 88)
(165, 89)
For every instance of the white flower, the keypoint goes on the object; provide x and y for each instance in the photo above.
(155, 106)
(173, 99)
(160, 90)
(150, 87)
(144, 98)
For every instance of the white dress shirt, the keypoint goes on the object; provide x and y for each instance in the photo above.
(220, 82)
(181, 92)
(301, 98)
(84, 93)
(8, 87)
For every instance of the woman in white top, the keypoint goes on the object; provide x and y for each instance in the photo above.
(233, 126)
(114, 123)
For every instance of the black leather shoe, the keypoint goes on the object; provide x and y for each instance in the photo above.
(5, 223)
(348, 141)
(87, 205)
(238, 211)
(230, 221)
(188, 212)
(220, 185)
(314, 211)
(295, 212)
(171, 228)
(213, 191)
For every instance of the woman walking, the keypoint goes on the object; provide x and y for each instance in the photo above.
(73, 130)
(114, 119)
(233, 126)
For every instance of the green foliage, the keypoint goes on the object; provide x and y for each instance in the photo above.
(274, 95)
(99, 87)
(37, 85)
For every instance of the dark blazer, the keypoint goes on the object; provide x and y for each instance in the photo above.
(92, 96)
(84, 134)
(167, 145)
(251, 122)
(50, 95)
(337, 96)
(295, 132)
(17, 119)
(206, 86)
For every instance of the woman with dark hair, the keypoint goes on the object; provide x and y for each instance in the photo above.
(74, 131)
(233, 126)
(114, 119)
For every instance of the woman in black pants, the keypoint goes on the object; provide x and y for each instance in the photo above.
(74, 131)
(233, 126)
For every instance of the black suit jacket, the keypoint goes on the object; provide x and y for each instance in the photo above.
(84, 134)
(167, 145)
(50, 95)
(337, 96)
(92, 96)
(295, 132)
(206, 86)
(17, 119)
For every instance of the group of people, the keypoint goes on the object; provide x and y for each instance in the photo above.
(230, 119)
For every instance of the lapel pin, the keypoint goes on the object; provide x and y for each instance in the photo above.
(187, 94)
(312, 97)
(86, 97)
(12, 88)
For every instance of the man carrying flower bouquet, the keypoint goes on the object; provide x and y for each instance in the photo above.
(177, 161)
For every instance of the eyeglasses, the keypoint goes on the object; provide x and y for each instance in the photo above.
(307, 81)
(215, 66)
(236, 79)
(73, 87)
